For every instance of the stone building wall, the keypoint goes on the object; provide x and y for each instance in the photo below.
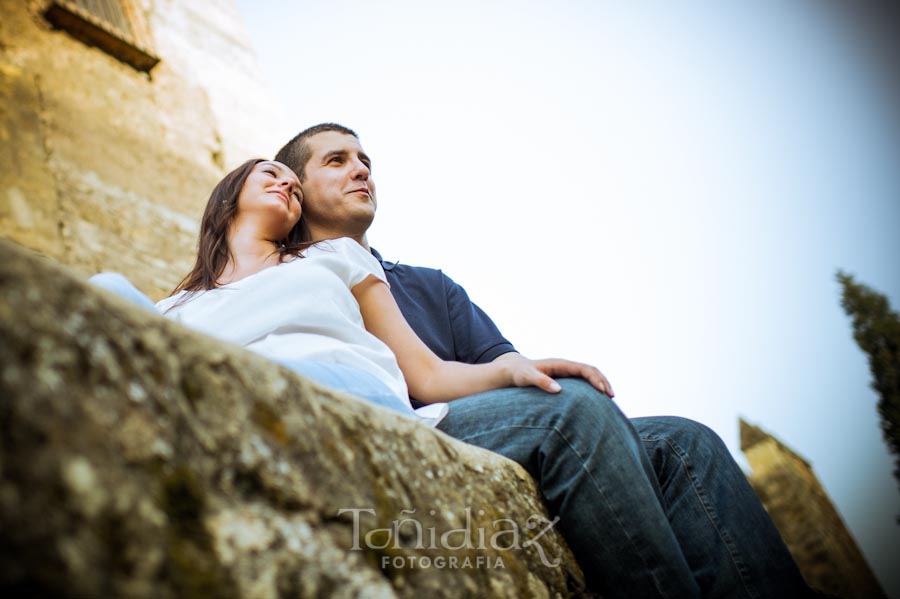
(108, 168)
(812, 528)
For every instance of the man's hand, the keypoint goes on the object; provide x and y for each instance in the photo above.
(526, 372)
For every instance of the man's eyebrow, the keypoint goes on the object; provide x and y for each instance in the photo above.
(333, 153)
(343, 153)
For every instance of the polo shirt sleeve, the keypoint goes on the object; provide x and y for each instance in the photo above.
(476, 338)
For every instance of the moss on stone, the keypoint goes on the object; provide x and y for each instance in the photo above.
(190, 560)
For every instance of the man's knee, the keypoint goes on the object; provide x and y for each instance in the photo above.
(580, 402)
(689, 435)
(577, 407)
(694, 430)
(578, 390)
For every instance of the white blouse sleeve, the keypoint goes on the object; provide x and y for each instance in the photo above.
(352, 263)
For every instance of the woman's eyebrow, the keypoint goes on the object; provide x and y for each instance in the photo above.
(276, 166)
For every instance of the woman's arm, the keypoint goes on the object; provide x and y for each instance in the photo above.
(431, 379)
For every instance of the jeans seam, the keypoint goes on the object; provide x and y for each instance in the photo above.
(581, 460)
(710, 513)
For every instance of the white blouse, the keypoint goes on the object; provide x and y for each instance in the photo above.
(302, 309)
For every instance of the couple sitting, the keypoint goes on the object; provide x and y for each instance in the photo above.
(651, 507)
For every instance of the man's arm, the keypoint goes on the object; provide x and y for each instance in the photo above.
(454, 327)
(476, 330)
(431, 379)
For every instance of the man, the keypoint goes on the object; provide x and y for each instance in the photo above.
(651, 507)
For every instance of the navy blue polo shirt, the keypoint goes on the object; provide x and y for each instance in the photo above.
(442, 315)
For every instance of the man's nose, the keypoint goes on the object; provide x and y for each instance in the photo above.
(361, 171)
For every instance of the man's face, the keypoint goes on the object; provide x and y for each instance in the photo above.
(338, 191)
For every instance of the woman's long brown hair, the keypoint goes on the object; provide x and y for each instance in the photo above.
(213, 252)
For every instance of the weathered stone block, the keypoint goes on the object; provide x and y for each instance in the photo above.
(141, 459)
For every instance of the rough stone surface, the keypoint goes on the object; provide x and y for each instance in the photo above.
(140, 459)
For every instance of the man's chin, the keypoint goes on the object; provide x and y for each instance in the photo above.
(363, 218)
(367, 201)
(367, 206)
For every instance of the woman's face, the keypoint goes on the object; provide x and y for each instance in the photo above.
(272, 194)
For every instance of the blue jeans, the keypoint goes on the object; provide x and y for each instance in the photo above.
(353, 381)
(119, 285)
(350, 380)
(651, 507)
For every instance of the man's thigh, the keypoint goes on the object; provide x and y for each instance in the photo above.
(515, 421)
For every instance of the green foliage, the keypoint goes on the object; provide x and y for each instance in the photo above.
(876, 329)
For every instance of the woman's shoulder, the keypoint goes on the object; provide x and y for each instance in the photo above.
(168, 303)
(329, 244)
(339, 245)
(345, 254)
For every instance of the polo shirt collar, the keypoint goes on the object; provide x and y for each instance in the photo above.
(384, 265)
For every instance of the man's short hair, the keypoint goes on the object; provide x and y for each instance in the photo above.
(296, 153)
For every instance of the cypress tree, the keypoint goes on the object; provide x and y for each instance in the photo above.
(876, 329)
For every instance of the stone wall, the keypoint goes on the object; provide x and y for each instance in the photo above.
(108, 168)
(141, 459)
(810, 525)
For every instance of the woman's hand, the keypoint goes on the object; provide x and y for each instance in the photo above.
(539, 373)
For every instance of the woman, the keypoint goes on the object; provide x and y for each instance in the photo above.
(323, 309)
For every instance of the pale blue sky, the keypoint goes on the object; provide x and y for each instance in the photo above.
(663, 191)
